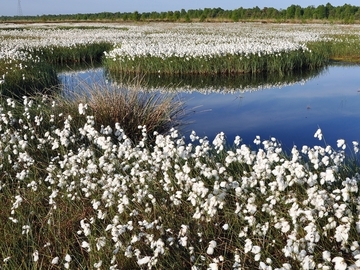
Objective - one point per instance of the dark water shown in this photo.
(290, 110)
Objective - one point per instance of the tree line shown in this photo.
(345, 14)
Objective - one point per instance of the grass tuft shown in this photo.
(130, 108)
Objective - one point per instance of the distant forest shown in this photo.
(344, 14)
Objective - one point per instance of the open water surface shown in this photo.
(291, 111)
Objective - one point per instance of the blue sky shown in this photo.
(41, 7)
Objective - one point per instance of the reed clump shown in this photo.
(130, 108)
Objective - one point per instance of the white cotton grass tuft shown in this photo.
(55, 260)
(143, 260)
(211, 247)
(36, 256)
(98, 264)
(340, 263)
(356, 146)
(318, 134)
(82, 108)
(341, 144)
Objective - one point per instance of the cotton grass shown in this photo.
(216, 48)
(78, 191)
(73, 197)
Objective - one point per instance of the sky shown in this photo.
(44, 7)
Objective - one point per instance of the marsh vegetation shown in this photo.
(93, 182)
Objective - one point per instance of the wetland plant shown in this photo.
(27, 78)
(72, 197)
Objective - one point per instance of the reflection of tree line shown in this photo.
(225, 83)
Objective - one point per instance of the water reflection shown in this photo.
(291, 114)
(214, 83)
(290, 110)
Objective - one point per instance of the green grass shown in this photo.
(343, 48)
(79, 53)
(27, 78)
(217, 65)
(38, 74)
(337, 48)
